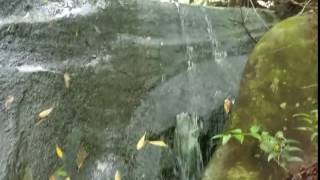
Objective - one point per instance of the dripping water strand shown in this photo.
(211, 34)
(189, 58)
(189, 48)
(186, 142)
(216, 52)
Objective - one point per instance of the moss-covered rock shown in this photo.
(280, 79)
(240, 173)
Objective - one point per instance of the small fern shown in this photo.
(276, 147)
(311, 123)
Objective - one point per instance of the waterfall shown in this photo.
(187, 146)
(217, 53)
(189, 48)
(192, 141)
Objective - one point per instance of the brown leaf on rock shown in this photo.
(158, 143)
(53, 177)
(8, 102)
(117, 175)
(45, 113)
(141, 142)
(227, 105)
(81, 157)
(67, 79)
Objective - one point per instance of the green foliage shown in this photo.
(311, 123)
(235, 133)
(279, 148)
(275, 147)
(61, 172)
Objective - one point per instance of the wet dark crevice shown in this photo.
(211, 125)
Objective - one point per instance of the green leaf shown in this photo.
(315, 111)
(282, 164)
(236, 131)
(239, 137)
(304, 128)
(279, 134)
(254, 129)
(61, 172)
(301, 115)
(293, 149)
(225, 139)
(265, 133)
(294, 159)
(292, 141)
(314, 135)
(256, 135)
(308, 120)
(271, 156)
(218, 136)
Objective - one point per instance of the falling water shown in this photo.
(187, 146)
(187, 132)
(210, 31)
(217, 53)
(189, 48)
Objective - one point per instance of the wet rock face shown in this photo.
(23, 7)
(279, 80)
(133, 66)
(7, 7)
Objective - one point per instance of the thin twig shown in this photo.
(245, 18)
(245, 28)
(310, 86)
(264, 23)
(305, 5)
(296, 3)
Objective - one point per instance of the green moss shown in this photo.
(283, 62)
(239, 172)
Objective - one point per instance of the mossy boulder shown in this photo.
(279, 80)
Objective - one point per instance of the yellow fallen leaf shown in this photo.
(59, 152)
(9, 100)
(141, 142)
(81, 156)
(53, 177)
(68, 178)
(117, 176)
(158, 143)
(67, 79)
(227, 105)
(45, 113)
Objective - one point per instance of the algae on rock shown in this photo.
(275, 85)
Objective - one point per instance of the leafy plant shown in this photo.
(279, 148)
(276, 147)
(235, 133)
(311, 123)
(60, 172)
